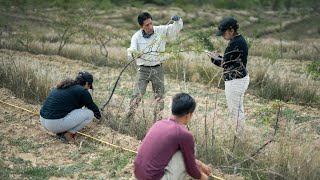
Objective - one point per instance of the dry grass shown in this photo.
(196, 67)
(295, 154)
(86, 53)
(292, 154)
(283, 80)
(25, 78)
(276, 49)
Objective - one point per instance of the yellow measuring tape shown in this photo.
(99, 140)
(108, 143)
(34, 113)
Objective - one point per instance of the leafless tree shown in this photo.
(102, 38)
(66, 29)
(25, 38)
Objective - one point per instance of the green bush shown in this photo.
(313, 69)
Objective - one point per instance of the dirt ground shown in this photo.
(18, 125)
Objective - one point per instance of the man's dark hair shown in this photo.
(144, 16)
(182, 104)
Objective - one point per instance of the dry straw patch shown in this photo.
(284, 49)
(26, 78)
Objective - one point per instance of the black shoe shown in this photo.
(61, 137)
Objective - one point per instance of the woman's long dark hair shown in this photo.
(71, 82)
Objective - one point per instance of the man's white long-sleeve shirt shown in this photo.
(152, 49)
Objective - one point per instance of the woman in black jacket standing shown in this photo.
(63, 113)
(235, 74)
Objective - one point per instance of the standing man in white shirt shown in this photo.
(147, 48)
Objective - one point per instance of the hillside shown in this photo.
(282, 103)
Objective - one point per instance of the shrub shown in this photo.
(313, 70)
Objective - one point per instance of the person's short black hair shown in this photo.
(182, 104)
(143, 16)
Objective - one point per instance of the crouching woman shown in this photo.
(63, 113)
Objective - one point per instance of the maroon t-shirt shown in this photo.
(164, 139)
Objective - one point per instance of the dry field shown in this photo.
(31, 66)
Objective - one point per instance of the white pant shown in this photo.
(234, 91)
(176, 169)
(72, 122)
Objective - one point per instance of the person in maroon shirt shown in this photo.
(168, 149)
